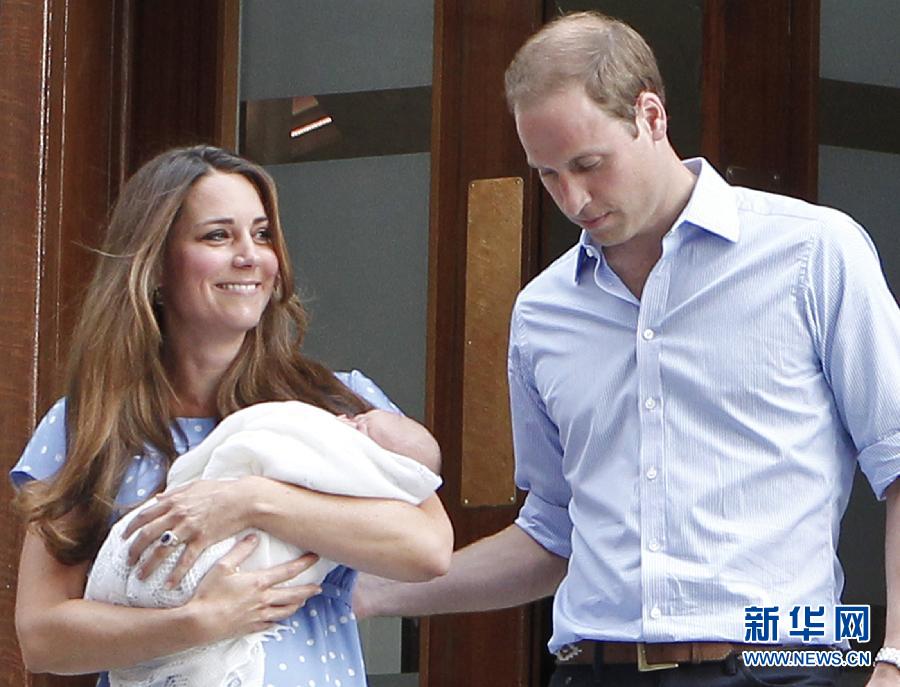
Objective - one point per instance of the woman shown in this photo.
(191, 316)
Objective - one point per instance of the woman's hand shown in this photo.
(231, 602)
(199, 514)
(61, 632)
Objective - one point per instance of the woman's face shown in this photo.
(219, 268)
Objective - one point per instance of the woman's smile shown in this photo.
(240, 288)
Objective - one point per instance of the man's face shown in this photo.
(603, 177)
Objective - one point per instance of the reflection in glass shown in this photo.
(336, 126)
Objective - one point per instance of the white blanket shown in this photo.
(288, 441)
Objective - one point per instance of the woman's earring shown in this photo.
(157, 297)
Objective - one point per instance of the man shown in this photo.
(691, 385)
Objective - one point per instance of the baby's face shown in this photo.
(398, 434)
(389, 430)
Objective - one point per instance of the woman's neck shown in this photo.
(196, 374)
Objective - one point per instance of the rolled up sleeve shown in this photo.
(544, 515)
(856, 326)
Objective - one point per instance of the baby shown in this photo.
(376, 454)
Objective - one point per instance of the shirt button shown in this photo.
(654, 545)
(651, 473)
(650, 403)
(655, 612)
(648, 334)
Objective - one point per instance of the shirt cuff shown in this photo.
(547, 523)
(880, 463)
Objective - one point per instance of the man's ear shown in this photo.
(650, 111)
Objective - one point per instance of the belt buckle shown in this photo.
(567, 652)
(644, 667)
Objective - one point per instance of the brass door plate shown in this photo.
(493, 279)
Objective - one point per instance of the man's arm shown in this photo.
(885, 673)
(518, 564)
(504, 570)
(855, 324)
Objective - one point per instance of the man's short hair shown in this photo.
(606, 56)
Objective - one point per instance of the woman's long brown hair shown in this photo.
(118, 397)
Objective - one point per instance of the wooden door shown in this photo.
(88, 90)
(59, 172)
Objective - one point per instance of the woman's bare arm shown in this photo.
(383, 536)
(59, 632)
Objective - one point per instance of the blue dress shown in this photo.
(319, 646)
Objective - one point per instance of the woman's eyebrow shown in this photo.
(228, 220)
(216, 220)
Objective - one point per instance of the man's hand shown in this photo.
(365, 593)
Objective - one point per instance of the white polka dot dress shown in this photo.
(319, 645)
(309, 653)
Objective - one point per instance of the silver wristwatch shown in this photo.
(888, 654)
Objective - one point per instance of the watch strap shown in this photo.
(888, 654)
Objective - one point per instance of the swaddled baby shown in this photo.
(288, 441)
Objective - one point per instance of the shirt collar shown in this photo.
(711, 207)
(586, 251)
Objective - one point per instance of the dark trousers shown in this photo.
(730, 673)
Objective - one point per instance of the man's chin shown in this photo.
(606, 237)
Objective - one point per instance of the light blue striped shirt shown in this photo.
(692, 452)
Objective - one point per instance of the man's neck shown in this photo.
(633, 260)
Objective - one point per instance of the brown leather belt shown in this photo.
(657, 656)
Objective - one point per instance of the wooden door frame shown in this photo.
(760, 92)
(68, 82)
(472, 138)
(59, 95)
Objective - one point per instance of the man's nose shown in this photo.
(572, 196)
